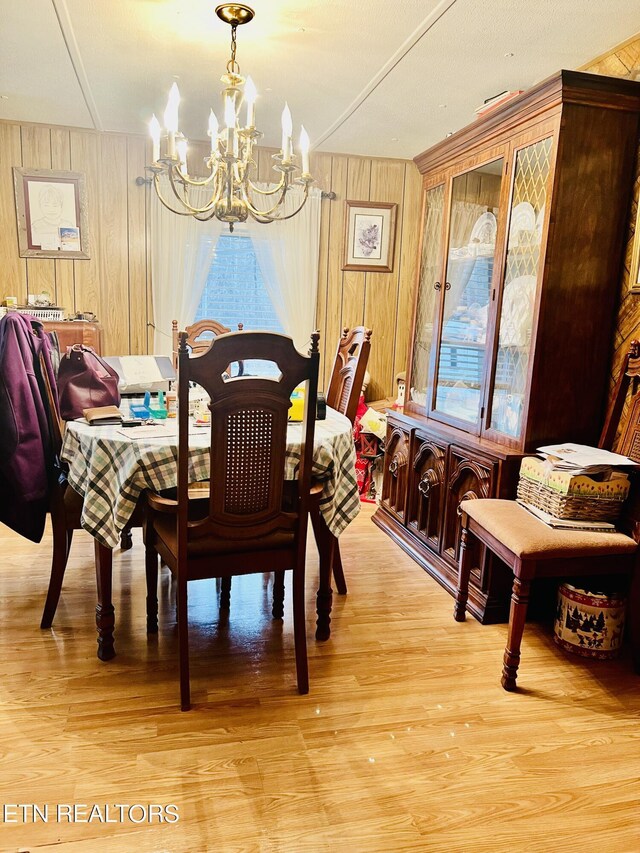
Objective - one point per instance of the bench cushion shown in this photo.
(529, 538)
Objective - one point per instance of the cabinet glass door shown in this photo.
(430, 272)
(475, 198)
(526, 222)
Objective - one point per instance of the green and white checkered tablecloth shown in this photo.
(111, 469)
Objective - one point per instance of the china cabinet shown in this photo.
(523, 223)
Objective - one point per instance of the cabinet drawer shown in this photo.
(396, 464)
(468, 477)
(426, 489)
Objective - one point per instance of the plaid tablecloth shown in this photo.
(110, 469)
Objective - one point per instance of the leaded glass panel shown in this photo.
(518, 295)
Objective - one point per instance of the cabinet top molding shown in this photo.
(564, 87)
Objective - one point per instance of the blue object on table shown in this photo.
(141, 411)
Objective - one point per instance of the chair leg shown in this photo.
(151, 570)
(126, 540)
(634, 618)
(464, 571)
(225, 593)
(277, 610)
(183, 641)
(300, 632)
(517, 617)
(326, 543)
(61, 547)
(338, 573)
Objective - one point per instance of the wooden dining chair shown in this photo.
(532, 549)
(65, 510)
(349, 368)
(345, 387)
(196, 343)
(254, 520)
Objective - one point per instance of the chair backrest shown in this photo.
(622, 424)
(248, 436)
(196, 343)
(348, 372)
(621, 431)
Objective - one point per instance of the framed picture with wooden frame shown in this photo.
(369, 236)
(51, 207)
(634, 278)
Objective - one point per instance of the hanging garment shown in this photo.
(27, 463)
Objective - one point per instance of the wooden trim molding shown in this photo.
(563, 87)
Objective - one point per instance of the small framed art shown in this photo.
(369, 236)
(634, 278)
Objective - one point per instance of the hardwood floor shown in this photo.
(406, 741)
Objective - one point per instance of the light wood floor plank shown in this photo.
(406, 741)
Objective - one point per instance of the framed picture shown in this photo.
(52, 213)
(369, 236)
(634, 278)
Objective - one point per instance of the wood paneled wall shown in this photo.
(115, 282)
(624, 61)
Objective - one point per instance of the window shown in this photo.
(235, 293)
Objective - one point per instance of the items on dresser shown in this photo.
(516, 261)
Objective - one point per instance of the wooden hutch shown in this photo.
(523, 225)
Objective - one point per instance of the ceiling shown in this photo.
(368, 77)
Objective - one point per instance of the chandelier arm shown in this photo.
(262, 213)
(277, 188)
(281, 218)
(195, 183)
(156, 183)
(265, 215)
(192, 211)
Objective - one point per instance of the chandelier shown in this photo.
(233, 196)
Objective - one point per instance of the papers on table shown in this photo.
(148, 432)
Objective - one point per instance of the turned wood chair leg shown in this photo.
(126, 540)
(225, 593)
(151, 570)
(464, 572)
(517, 618)
(277, 609)
(300, 632)
(183, 641)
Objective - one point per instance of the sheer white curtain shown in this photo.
(288, 255)
(182, 249)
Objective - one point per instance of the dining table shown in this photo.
(111, 467)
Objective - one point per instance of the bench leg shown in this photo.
(464, 571)
(517, 617)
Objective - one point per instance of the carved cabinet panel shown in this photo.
(467, 478)
(426, 489)
(396, 459)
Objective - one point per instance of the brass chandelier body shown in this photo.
(231, 161)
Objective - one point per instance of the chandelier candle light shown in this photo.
(231, 160)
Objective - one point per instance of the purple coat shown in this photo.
(27, 455)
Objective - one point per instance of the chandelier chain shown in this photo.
(232, 65)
